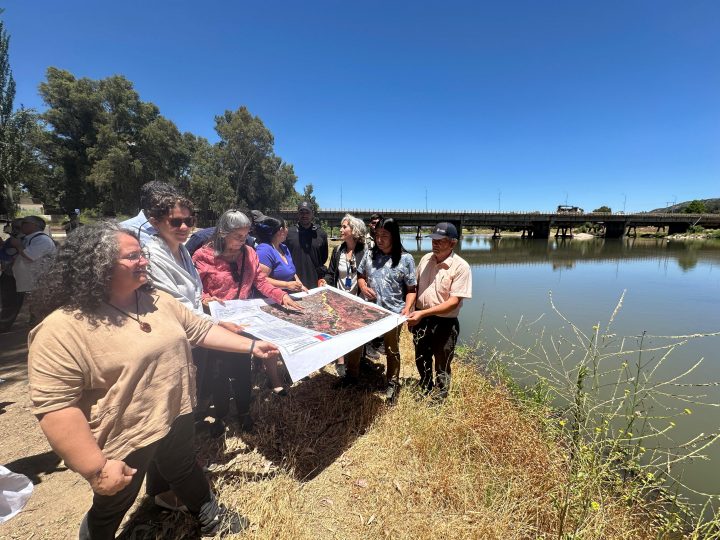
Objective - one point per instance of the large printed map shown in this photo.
(329, 312)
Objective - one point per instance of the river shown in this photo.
(671, 288)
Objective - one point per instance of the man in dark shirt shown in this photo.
(308, 245)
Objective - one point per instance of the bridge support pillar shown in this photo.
(614, 229)
(458, 226)
(678, 228)
(540, 229)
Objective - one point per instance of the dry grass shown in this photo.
(328, 463)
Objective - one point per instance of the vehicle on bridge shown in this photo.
(565, 209)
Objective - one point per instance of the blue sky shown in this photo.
(520, 105)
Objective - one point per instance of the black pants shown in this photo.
(10, 300)
(169, 464)
(435, 336)
(231, 370)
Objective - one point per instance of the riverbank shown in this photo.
(327, 463)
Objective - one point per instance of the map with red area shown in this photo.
(329, 312)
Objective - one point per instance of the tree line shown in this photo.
(97, 142)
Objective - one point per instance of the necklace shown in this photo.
(145, 327)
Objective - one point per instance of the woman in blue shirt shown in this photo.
(275, 259)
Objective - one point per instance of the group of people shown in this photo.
(127, 358)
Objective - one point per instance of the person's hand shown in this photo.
(414, 318)
(112, 478)
(235, 328)
(264, 350)
(369, 294)
(15, 242)
(206, 301)
(405, 311)
(295, 286)
(321, 282)
(290, 303)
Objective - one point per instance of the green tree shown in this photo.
(695, 207)
(603, 210)
(7, 99)
(307, 195)
(208, 183)
(260, 180)
(107, 142)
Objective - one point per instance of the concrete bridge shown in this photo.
(534, 224)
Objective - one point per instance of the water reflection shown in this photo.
(564, 253)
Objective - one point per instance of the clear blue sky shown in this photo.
(517, 104)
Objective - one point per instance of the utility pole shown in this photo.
(624, 202)
(499, 199)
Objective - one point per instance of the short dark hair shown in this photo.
(376, 216)
(150, 192)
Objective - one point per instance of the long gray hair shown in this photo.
(230, 221)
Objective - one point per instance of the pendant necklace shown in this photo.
(145, 327)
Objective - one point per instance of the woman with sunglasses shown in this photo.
(229, 270)
(342, 274)
(112, 383)
(386, 276)
(275, 259)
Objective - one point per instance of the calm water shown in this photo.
(672, 288)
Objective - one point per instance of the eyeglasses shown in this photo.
(135, 256)
(177, 222)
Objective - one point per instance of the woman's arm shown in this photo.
(409, 301)
(221, 339)
(69, 434)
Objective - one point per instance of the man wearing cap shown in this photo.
(443, 280)
(35, 253)
(308, 245)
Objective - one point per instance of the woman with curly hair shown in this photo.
(342, 273)
(112, 381)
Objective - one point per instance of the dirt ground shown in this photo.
(60, 497)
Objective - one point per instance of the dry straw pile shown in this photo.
(330, 463)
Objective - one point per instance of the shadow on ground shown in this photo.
(33, 466)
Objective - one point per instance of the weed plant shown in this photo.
(605, 397)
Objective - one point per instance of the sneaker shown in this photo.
(222, 522)
(391, 393)
(217, 428)
(340, 370)
(169, 501)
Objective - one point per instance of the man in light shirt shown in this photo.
(444, 279)
(35, 253)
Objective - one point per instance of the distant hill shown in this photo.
(712, 205)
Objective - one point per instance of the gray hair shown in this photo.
(230, 221)
(356, 226)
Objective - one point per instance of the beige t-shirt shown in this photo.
(131, 385)
(438, 282)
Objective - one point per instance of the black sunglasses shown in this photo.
(177, 222)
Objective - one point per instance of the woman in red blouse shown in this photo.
(229, 270)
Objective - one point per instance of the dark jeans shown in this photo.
(435, 336)
(169, 464)
(10, 300)
(231, 370)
